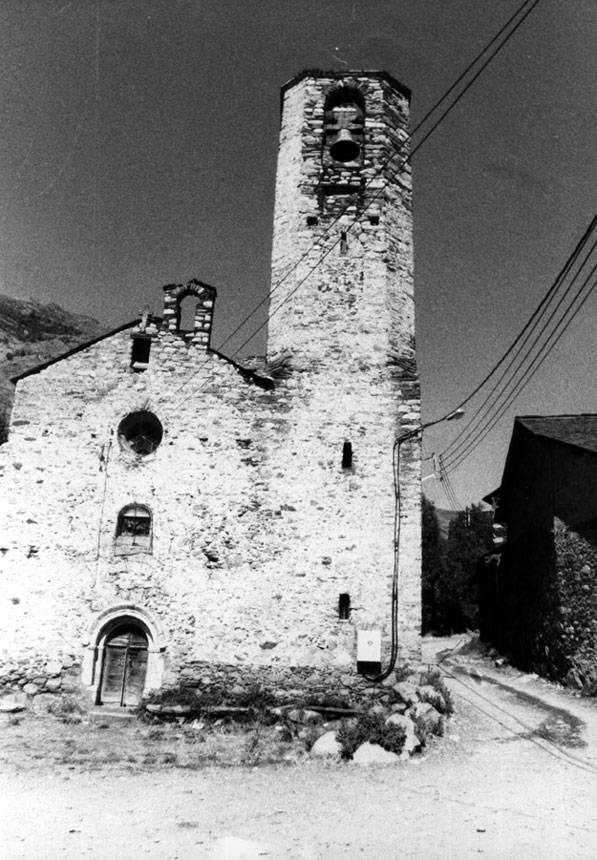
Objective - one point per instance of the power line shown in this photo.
(522, 13)
(534, 367)
(521, 341)
(531, 321)
(475, 431)
(386, 163)
(398, 169)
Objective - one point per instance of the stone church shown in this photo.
(172, 516)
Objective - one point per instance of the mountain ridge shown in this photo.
(31, 334)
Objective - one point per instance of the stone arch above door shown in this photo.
(103, 626)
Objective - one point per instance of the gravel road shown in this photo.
(489, 788)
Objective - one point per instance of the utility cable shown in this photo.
(381, 676)
(521, 13)
(397, 170)
(521, 340)
(354, 198)
(530, 372)
(531, 322)
(458, 452)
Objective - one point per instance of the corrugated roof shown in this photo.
(578, 430)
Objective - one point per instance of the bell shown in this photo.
(344, 148)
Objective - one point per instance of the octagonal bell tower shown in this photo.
(342, 271)
(342, 309)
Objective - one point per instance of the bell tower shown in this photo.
(342, 322)
(342, 271)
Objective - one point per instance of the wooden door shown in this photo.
(125, 667)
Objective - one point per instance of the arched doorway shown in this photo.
(124, 657)
(124, 666)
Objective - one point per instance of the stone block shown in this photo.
(326, 746)
(31, 689)
(53, 668)
(369, 754)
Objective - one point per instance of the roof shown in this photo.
(248, 373)
(577, 430)
(348, 73)
(82, 346)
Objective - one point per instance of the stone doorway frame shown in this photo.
(95, 644)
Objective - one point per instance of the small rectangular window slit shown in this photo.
(347, 455)
(140, 353)
(343, 243)
(344, 607)
(312, 220)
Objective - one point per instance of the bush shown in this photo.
(256, 700)
(370, 727)
(433, 678)
(67, 709)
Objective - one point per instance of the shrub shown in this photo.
(433, 678)
(67, 709)
(421, 730)
(370, 727)
(255, 699)
(403, 672)
(259, 702)
(324, 700)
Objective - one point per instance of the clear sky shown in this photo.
(138, 143)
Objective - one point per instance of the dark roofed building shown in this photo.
(540, 602)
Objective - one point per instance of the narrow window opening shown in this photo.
(374, 220)
(347, 455)
(312, 220)
(140, 353)
(186, 315)
(344, 607)
(343, 243)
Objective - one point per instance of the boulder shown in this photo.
(53, 668)
(312, 717)
(431, 719)
(326, 745)
(10, 706)
(369, 753)
(412, 743)
(407, 692)
(304, 716)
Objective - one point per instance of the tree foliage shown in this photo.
(450, 601)
(432, 563)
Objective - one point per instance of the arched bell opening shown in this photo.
(344, 118)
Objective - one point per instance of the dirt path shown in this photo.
(484, 790)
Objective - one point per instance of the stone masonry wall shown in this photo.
(342, 309)
(257, 526)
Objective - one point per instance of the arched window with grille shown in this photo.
(134, 530)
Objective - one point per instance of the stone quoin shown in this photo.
(173, 516)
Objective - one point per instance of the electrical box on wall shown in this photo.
(369, 651)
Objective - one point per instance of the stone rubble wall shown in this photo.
(257, 528)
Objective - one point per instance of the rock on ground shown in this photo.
(369, 753)
(326, 745)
